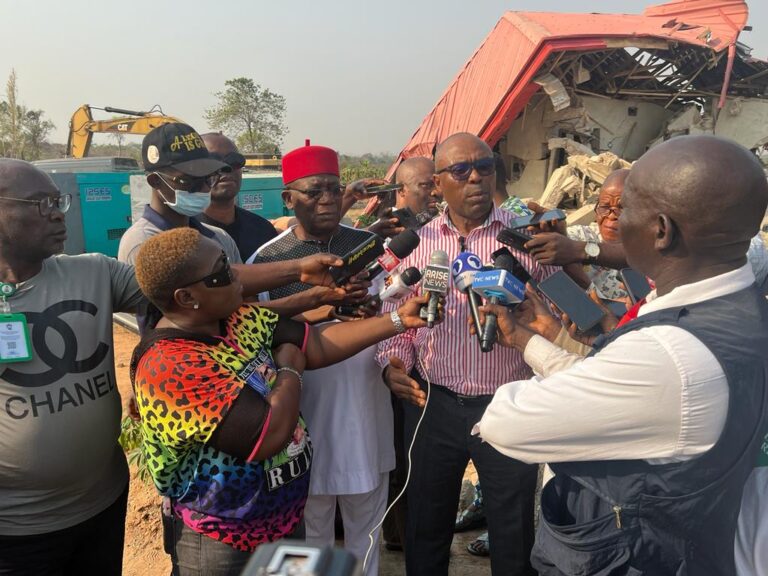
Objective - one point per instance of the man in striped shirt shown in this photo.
(463, 381)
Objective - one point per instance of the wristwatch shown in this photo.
(592, 250)
(397, 321)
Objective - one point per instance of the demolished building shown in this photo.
(545, 89)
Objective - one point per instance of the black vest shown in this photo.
(629, 517)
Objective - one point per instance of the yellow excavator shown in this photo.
(82, 126)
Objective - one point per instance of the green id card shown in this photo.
(14, 339)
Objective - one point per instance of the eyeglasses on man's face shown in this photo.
(315, 193)
(461, 171)
(602, 210)
(45, 206)
(190, 183)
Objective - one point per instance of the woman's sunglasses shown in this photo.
(218, 279)
(462, 170)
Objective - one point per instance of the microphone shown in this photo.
(399, 286)
(498, 286)
(357, 259)
(464, 269)
(436, 280)
(398, 248)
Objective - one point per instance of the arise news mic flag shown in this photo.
(464, 269)
(436, 280)
(497, 286)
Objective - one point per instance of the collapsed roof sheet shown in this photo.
(497, 81)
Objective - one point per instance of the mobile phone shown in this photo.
(406, 217)
(617, 308)
(518, 270)
(383, 189)
(636, 284)
(536, 219)
(571, 299)
(514, 238)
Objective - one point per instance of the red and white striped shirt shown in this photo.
(450, 355)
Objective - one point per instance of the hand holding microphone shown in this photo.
(435, 281)
(497, 286)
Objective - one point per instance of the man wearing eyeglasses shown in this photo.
(345, 405)
(248, 230)
(463, 381)
(181, 173)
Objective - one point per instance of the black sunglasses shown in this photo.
(190, 183)
(218, 279)
(234, 160)
(462, 170)
(315, 193)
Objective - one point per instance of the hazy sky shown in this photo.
(357, 75)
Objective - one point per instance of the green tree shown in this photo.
(249, 114)
(23, 133)
(36, 131)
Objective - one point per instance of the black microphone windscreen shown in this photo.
(410, 276)
(404, 243)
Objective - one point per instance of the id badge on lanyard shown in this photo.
(14, 332)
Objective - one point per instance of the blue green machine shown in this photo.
(101, 206)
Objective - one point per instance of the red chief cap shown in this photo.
(309, 161)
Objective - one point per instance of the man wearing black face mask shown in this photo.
(248, 230)
(181, 173)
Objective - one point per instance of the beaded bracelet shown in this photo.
(294, 372)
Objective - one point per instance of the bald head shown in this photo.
(418, 192)
(410, 166)
(698, 200)
(19, 179)
(34, 229)
(615, 180)
(227, 187)
(713, 188)
(460, 141)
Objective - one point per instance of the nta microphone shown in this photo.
(398, 248)
(399, 286)
(357, 259)
(498, 286)
(464, 269)
(436, 280)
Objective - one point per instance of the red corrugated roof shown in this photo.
(496, 82)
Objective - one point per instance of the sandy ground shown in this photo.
(144, 554)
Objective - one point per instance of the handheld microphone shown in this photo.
(398, 248)
(357, 259)
(498, 286)
(464, 269)
(399, 286)
(436, 280)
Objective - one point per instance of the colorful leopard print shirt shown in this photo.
(183, 389)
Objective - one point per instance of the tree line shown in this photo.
(251, 115)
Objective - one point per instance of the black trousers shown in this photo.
(93, 547)
(443, 447)
(393, 528)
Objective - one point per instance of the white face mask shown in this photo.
(187, 203)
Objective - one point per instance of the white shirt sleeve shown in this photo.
(656, 394)
(546, 358)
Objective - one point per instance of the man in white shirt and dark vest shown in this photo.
(652, 437)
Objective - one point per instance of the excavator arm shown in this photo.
(82, 126)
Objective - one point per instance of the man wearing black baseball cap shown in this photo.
(181, 173)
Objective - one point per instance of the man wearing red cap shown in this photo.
(346, 406)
